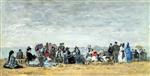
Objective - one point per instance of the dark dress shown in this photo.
(136, 55)
(59, 57)
(110, 51)
(71, 58)
(30, 57)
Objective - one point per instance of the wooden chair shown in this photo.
(21, 61)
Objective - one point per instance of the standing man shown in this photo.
(89, 48)
(116, 49)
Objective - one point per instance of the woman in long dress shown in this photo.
(49, 63)
(121, 56)
(12, 62)
(94, 55)
(78, 56)
(128, 53)
(59, 56)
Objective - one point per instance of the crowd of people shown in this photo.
(50, 55)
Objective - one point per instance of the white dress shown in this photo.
(94, 58)
(120, 59)
(34, 62)
(104, 58)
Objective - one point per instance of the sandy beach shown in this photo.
(94, 69)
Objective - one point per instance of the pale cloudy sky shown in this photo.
(73, 22)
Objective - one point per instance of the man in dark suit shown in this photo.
(116, 49)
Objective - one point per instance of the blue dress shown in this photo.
(128, 54)
(12, 63)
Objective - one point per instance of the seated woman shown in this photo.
(59, 56)
(94, 55)
(102, 57)
(29, 56)
(71, 58)
(19, 54)
(136, 56)
(79, 58)
(99, 58)
(82, 59)
(89, 57)
(12, 62)
(35, 61)
(49, 63)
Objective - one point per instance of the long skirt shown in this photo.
(15, 67)
(121, 58)
(94, 58)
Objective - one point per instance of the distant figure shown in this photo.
(40, 56)
(12, 62)
(19, 54)
(136, 55)
(133, 52)
(76, 49)
(61, 47)
(121, 56)
(89, 57)
(99, 57)
(89, 48)
(53, 53)
(49, 63)
(143, 55)
(65, 55)
(110, 50)
(46, 53)
(77, 54)
(128, 53)
(59, 56)
(88, 54)
(78, 57)
(94, 55)
(116, 49)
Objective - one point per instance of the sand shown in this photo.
(94, 69)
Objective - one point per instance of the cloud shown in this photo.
(75, 23)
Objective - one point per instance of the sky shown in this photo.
(26, 23)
